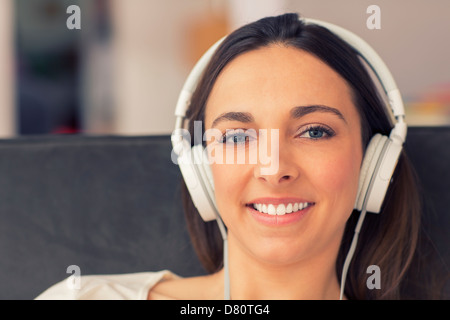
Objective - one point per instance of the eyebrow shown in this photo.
(245, 117)
(296, 113)
(301, 111)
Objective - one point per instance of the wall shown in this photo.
(151, 50)
(131, 77)
(150, 62)
(7, 96)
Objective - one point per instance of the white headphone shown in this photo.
(379, 161)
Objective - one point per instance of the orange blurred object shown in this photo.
(203, 32)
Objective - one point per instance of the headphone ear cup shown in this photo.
(377, 169)
(205, 195)
(191, 167)
(204, 169)
(368, 165)
(208, 173)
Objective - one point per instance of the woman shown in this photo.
(259, 77)
(289, 232)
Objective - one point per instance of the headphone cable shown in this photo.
(351, 251)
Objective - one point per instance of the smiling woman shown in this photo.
(289, 232)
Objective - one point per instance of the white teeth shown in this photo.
(280, 209)
(264, 208)
(289, 208)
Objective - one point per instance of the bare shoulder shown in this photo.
(193, 288)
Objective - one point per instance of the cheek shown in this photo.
(228, 185)
(336, 176)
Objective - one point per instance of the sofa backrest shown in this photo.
(110, 204)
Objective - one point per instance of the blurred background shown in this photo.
(122, 71)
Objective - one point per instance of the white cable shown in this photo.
(226, 279)
(351, 251)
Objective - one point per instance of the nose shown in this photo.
(285, 174)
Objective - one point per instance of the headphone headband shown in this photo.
(364, 50)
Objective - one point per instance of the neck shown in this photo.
(309, 279)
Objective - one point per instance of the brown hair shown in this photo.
(390, 239)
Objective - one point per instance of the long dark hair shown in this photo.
(389, 240)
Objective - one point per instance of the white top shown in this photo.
(131, 286)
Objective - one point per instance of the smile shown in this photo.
(281, 209)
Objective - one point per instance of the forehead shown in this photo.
(275, 77)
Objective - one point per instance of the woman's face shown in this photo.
(288, 91)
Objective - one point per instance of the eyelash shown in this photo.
(317, 127)
(233, 133)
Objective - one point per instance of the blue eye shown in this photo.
(316, 132)
(235, 137)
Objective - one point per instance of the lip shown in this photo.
(278, 220)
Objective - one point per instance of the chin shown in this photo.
(281, 254)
